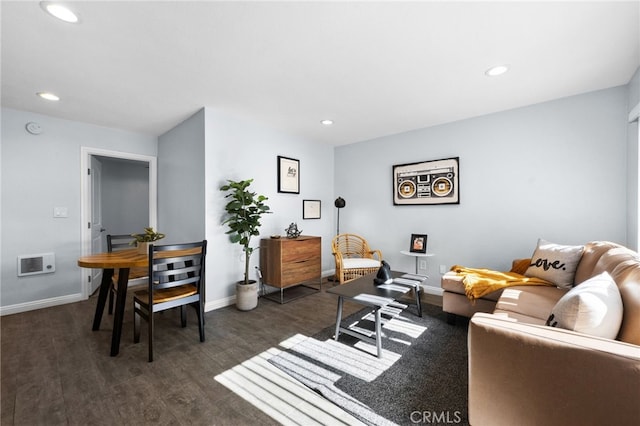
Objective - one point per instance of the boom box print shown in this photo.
(427, 182)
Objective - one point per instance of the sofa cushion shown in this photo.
(590, 264)
(530, 304)
(357, 262)
(594, 307)
(555, 263)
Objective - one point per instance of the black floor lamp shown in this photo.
(339, 203)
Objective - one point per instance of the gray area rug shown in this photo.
(421, 378)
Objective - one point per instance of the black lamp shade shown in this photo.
(340, 202)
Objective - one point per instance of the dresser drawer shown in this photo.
(300, 250)
(286, 262)
(299, 272)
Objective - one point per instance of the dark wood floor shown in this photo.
(55, 370)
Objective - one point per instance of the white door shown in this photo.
(97, 230)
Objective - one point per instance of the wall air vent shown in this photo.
(34, 264)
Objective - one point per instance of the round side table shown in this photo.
(416, 255)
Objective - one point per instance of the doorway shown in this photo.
(97, 215)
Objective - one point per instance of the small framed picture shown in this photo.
(418, 243)
(288, 175)
(311, 209)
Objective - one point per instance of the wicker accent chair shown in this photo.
(353, 257)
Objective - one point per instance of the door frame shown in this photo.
(85, 203)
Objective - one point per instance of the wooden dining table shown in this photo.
(123, 260)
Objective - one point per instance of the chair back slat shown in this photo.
(119, 242)
(177, 270)
(177, 277)
(177, 259)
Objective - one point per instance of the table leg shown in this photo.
(417, 290)
(338, 318)
(416, 265)
(378, 333)
(121, 299)
(105, 284)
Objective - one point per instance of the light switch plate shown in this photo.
(60, 212)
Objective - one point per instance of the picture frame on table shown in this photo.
(311, 209)
(418, 243)
(288, 175)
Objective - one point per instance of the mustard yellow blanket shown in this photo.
(479, 281)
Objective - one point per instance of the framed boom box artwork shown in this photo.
(427, 182)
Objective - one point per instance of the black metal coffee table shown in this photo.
(364, 291)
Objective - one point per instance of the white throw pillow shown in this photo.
(555, 263)
(593, 307)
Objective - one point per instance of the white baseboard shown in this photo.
(220, 303)
(40, 304)
(328, 273)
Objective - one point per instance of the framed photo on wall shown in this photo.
(311, 209)
(418, 243)
(427, 182)
(288, 175)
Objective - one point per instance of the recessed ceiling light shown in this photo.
(497, 70)
(326, 122)
(48, 96)
(60, 11)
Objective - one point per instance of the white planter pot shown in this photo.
(143, 247)
(247, 296)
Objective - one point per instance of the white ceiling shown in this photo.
(376, 68)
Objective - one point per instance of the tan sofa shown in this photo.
(526, 373)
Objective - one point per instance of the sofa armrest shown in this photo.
(531, 375)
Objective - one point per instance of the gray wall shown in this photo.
(40, 173)
(556, 170)
(125, 196)
(181, 184)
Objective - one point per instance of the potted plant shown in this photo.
(148, 236)
(244, 210)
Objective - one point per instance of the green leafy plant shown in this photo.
(148, 236)
(244, 211)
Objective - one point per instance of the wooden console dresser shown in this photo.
(287, 262)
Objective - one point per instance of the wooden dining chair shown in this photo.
(117, 243)
(175, 280)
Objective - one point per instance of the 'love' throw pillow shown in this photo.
(555, 263)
